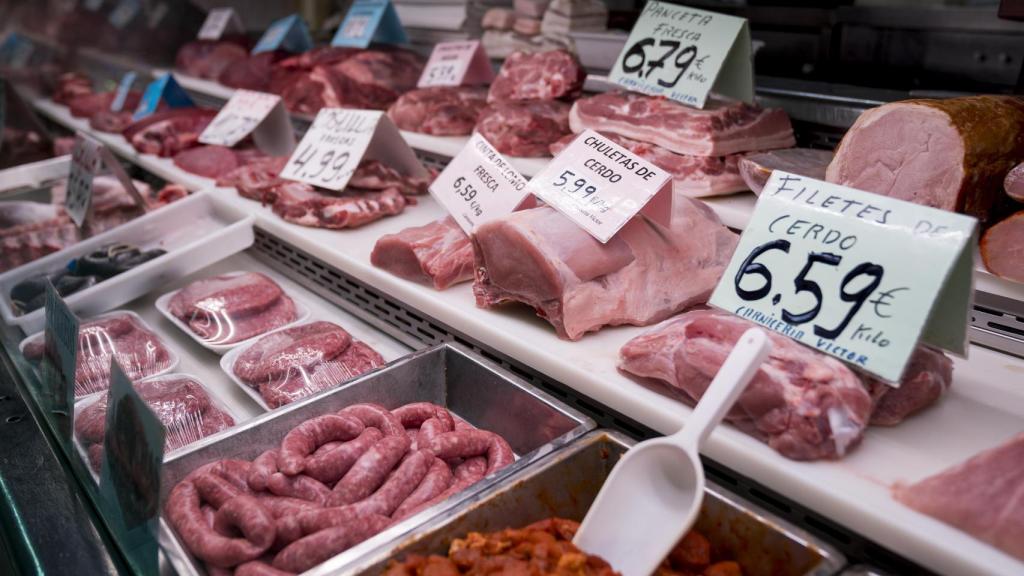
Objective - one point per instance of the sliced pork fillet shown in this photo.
(644, 274)
(438, 253)
(756, 168)
(949, 154)
(1002, 248)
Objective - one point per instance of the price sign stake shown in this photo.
(60, 360)
(370, 21)
(218, 21)
(457, 64)
(125, 86)
(817, 263)
(88, 157)
(164, 88)
(289, 33)
(257, 113)
(338, 140)
(600, 185)
(684, 53)
(479, 185)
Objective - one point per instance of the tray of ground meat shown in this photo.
(221, 312)
(316, 484)
(121, 336)
(732, 537)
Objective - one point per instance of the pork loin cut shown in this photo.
(721, 128)
(948, 154)
(693, 176)
(804, 404)
(756, 168)
(524, 129)
(928, 376)
(551, 75)
(983, 496)
(440, 110)
(302, 204)
(644, 274)
(1014, 183)
(1002, 248)
(438, 253)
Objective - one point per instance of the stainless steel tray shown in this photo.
(534, 423)
(566, 483)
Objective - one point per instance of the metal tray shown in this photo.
(472, 387)
(566, 483)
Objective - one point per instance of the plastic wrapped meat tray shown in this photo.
(471, 389)
(119, 335)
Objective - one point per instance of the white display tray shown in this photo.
(34, 175)
(195, 231)
(984, 408)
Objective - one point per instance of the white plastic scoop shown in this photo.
(653, 495)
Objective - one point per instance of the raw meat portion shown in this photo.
(525, 129)
(693, 176)
(551, 75)
(927, 377)
(302, 204)
(256, 179)
(302, 360)
(983, 496)
(117, 336)
(1014, 183)
(438, 253)
(208, 161)
(542, 259)
(231, 308)
(88, 104)
(251, 73)
(112, 205)
(31, 230)
(180, 402)
(440, 111)
(70, 86)
(949, 154)
(112, 122)
(375, 175)
(721, 128)
(169, 132)
(757, 168)
(804, 404)
(396, 70)
(1002, 248)
(209, 59)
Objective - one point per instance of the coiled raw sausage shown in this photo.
(262, 467)
(368, 473)
(301, 486)
(376, 416)
(245, 514)
(436, 481)
(415, 414)
(260, 568)
(469, 443)
(310, 435)
(329, 467)
(311, 550)
(182, 511)
(400, 484)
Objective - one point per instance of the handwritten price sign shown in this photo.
(456, 64)
(249, 112)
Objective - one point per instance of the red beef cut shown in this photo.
(551, 75)
(438, 253)
(439, 111)
(524, 129)
(209, 59)
(233, 307)
(252, 72)
(169, 132)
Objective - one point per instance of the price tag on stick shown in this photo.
(684, 53)
(817, 263)
(133, 452)
(338, 140)
(479, 185)
(218, 21)
(60, 354)
(257, 113)
(600, 185)
(88, 157)
(457, 64)
(166, 89)
(370, 21)
(289, 33)
(125, 86)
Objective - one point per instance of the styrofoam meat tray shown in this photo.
(214, 230)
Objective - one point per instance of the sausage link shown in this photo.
(310, 435)
(430, 429)
(312, 550)
(208, 513)
(284, 506)
(369, 471)
(301, 486)
(415, 414)
(400, 484)
(215, 490)
(470, 443)
(471, 471)
(436, 481)
(376, 416)
(212, 570)
(499, 454)
(288, 530)
(262, 467)
(329, 467)
(183, 512)
(234, 471)
(260, 568)
(245, 514)
(328, 447)
(313, 521)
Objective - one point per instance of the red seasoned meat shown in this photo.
(440, 111)
(208, 161)
(525, 129)
(233, 307)
(168, 132)
(551, 75)
(950, 154)
(757, 167)
(721, 128)
(299, 347)
(209, 58)
(928, 376)
(694, 176)
(983, 496)
(251, 73)
(438, 253)
(538, 257)
(302, 204)
(1002, 248)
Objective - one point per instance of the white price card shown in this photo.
(684, 53)
(258, 113)
(338, 140)
(370, 21)
(600, 185)
(88, 158)
(479, 185)
(457, 64)
(218, 21)
(859, 276)
(60, 345)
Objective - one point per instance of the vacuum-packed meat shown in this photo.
(525, 129)
(757, 167)
(438, 253)
(551, 75)
(440, 110)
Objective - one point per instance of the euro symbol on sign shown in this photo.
(700, 62)
(883, 300)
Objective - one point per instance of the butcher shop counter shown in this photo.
(984, 408)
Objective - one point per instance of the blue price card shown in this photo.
(289, 34)
(127, 81)
(133, 452)
(370, 21)
(165, 88)
(16, 51)
(60, 353)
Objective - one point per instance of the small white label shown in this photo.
(86, 163)
(598, 184)
(479, 185)
(217, 22)
(455, 64)
(239, 117)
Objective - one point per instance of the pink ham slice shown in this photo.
(983, 496)
(438, 253)
(756, 168)
(1002, 248)
(1014, 183)
(721, 128)
(538, 257)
